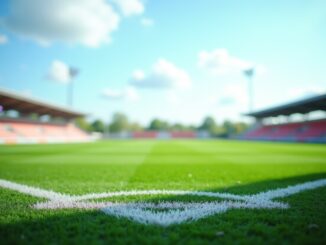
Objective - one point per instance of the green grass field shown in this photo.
(215, 166)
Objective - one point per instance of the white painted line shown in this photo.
(64, 204)
(32, 191)
(159, 192)
(271, 194)
(290, 190)
(180, 212)
(163, 213)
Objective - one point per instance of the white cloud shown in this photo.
(138, 75)
(219, 61)
(234, 95)
(59, 72)
(172, 97)
(88, 22)
(147, 22)
(164, 74)
(3, 39)
(229, 102)
(306, 91)
(27, 92)
(128, 93)
(130, 7)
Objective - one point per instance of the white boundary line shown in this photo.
(32, 191)
(149, 213)
(159, 192)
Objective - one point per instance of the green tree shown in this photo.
(119, 123)
(157, 124)
(240, 127)
(178, 127)
(82, 124)
(209, 125)
(135, 127)
(229, 128)
(98, 126)
(182, 127)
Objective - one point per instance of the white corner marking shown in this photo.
(162, 213)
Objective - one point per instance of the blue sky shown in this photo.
(176, 60)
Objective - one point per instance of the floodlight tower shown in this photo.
(73, 72)
(249, 73)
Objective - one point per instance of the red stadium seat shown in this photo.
(145, 134)
(314, 131)
(183, 134)
(35, 132)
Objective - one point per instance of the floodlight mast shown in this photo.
(73, 72)
(249, 73)
(70, 94)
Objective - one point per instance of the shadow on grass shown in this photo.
(303, 223)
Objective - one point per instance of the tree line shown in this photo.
(121, 123)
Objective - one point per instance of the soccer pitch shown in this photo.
(163, 192)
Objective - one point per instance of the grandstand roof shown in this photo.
(23, 104)
(302, 106)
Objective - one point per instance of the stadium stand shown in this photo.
(183, 134)
(303, 131)
(144, 135)
(27, 127)
(164, 135)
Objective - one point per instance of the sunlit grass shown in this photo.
(228, 166)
